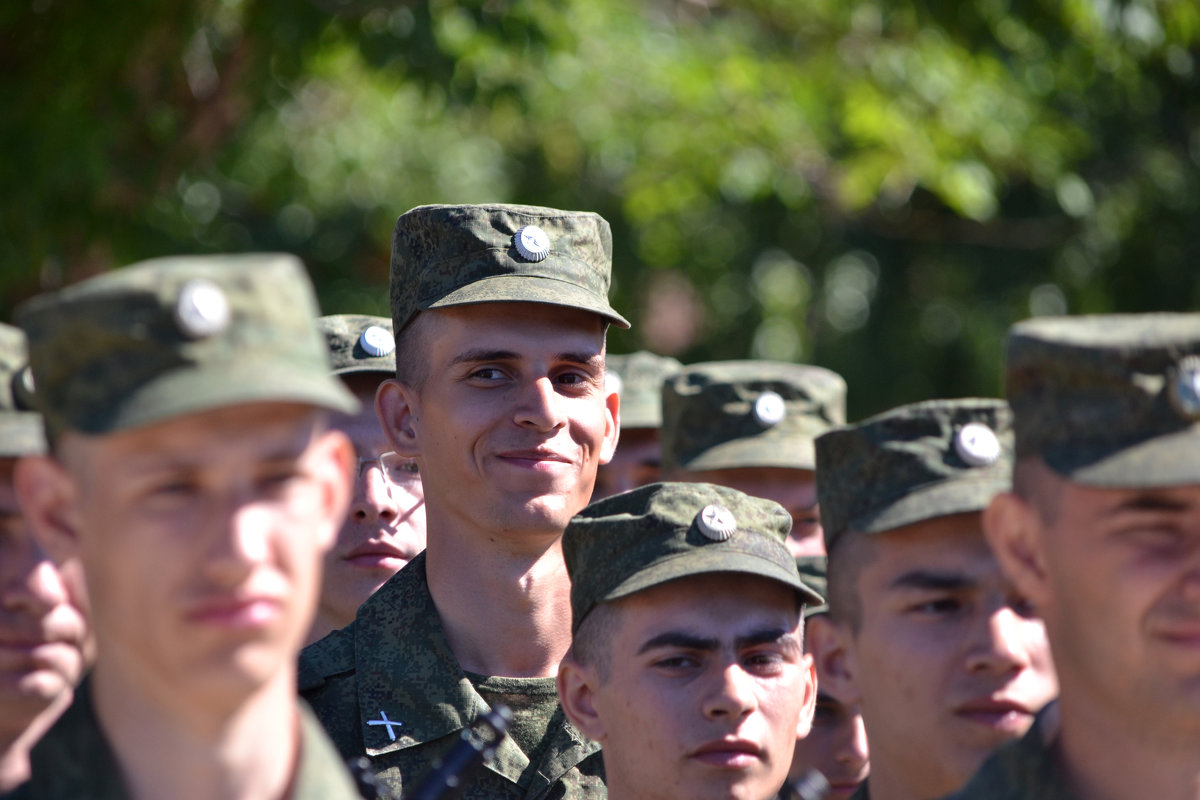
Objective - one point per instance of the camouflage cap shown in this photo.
(638, 379)
(175, 336)
(728, 414)
(814, 571)
(20, 426)
(458, 255)
(359, 343)
(1109, 401)
(633, 541)
(913, 463)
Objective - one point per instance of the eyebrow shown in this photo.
(930, 580)
(1148, 502)
(478, 355)
(690, 641)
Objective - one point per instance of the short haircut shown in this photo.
(1034, 483)
(591, 645)
(850, 553)
(412, 365)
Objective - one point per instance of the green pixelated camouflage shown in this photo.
(394, 658)
(709, 421)
(20, 427)
(1109, 401)
(903, 466)
(343, 335)
(74, 760)
(814, 571)
(457, 255)
(109, 354)
(633, 541)
(641, 377)
(1027, 769)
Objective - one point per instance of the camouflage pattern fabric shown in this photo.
(1022, 770)
(456, 255)
(814, 571)
(74, 761)
(1109, 401)
(638, 380)
(359, 343)
(633, 541)
(913, 463)
(175, 336)
(20, 426)
(730, 414)
(393, 661)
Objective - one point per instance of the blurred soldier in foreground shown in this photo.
(42, 629)
(750, 425)
(837, 744)
(688, 661)
(500, 315)
(1102, 533)
(385, 528)
(942, 653)
(637, 378)
(193, 478)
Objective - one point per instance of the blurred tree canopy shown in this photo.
(878, 186)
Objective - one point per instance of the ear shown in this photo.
(577, 685)
(1015, 532)
(804, 725)
(337, 459)
(832, 647)
(612, 425)
(47, 495)
(398, 407)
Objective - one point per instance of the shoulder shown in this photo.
(1022, 770)
(326, 658)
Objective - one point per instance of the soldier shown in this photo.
(42, 628)
(944, 656)
(385, 528)
(194, 480)
(750, 425)
(638, 379)
(688, 661)
(500, 315)
(1101, 533)
(836, 746)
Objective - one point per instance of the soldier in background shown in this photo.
(42, 629)
(637, 378)
(751, 425)
(945, 656)
(194, 480)
(385, 527)
(1102, 533)
(688, 661)
(500, 314)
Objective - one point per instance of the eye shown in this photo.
(826, 712)
(764, 662)
(676, 662)
(938, 606)
(488, 374)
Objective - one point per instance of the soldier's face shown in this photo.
(201, 539)
(948, 661)
(41, 632)
(512, 419)
(1117, 578)
(635, 463)
(707, 691)
(794, 489)
(385, 527)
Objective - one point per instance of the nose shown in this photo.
(732, 696)
(998, 646)
(238, 541)
(540, 406)
(374, 498)
(852, 746)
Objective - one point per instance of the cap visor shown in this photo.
(1172, 459)
(529, 289)
(939, 500)
(791, 452)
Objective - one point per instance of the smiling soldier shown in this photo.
(943, 655)
(500, 315)
(193, 478)
(688, 661)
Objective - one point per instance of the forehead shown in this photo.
(516, 321)
(950, 546)
(363, 428)
(717, 604)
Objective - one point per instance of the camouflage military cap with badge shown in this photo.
(21, 430)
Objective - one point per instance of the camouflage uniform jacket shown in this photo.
(394, 660)
(1026, 769)
(74, 761)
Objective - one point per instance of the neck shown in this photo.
(323, 624)
(172, 745)
(506, 609)
(15, 745)
(1110, 759)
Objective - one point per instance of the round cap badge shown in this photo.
(532, 243)
(769, 409)
(376, 341)
(202, 309)
(1185, 387)
(716, 522)
(977, 444)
